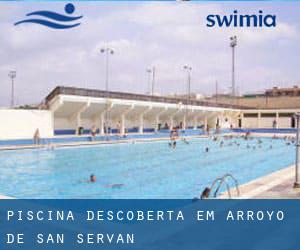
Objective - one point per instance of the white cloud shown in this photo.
(167, 35)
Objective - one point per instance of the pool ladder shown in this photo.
(223, 180)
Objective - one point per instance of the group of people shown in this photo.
(174, 135)
(258, 143)
(106, 130)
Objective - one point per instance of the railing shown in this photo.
(130, 96)
(220, 182)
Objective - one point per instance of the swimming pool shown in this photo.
(147, 170)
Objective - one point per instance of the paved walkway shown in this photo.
(5, 197)
(98, 142)
(278, 185)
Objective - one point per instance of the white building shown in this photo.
(74, 108)
(70, 109)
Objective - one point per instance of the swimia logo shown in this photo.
(52, 19)
(242, 20)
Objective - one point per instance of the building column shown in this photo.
(195, 122)
(78, 122)
(77, 116)
(141, 124)
(123, 120)
(101, 128)
(171, 122)
(142, 118)
(184, 122)
(54, 108)
(258, 119)
(107, 119)
(156, 122)
(205, 123)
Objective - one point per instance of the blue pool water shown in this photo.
(147, 170)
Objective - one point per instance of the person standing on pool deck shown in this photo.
(36, 137)
(207, 129)
(274, 124)
(93, 132)
(119, 127)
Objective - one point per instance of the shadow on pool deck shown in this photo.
(278, 185)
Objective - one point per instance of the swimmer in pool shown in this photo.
(205, 193)
(93, 178)
(185, 141)
(207, 149)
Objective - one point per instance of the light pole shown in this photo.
(297, 181)
(153, 78)
(107, 51)
(153, 72)
(217, 91)
(149, 72)
(12, 75)
(233, 44)
(188, 69)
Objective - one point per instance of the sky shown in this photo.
(144, 34)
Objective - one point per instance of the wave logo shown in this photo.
(53, 20)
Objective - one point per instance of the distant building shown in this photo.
(274, 92)
(275, 98)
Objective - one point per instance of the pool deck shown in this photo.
(98, 142)
(277, 185)
(5, 197)
(131, 140)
